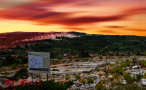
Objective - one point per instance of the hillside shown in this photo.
(101, 44)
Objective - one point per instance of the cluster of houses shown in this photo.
(67, 57)
(75, 56)
(96, 75)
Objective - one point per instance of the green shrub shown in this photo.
(83, 81)
(100, 86)
(67, 77)
(90, 80)
(77, 76)
(55, 70)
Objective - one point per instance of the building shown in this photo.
(14, 56)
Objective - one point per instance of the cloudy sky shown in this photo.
(110, 17)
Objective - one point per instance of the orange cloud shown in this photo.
(77, 29)
(107, 31)
(137, 30)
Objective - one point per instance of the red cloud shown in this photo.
(87, 20)
(36, 12)
(115, 26)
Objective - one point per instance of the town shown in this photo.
(93, 73)
(77, 62)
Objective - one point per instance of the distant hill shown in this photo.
(94, 43)
(15, 38)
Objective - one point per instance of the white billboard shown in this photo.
(39, 62)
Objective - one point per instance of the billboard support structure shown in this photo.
(39, 62)
(32, 77)
(47, 77)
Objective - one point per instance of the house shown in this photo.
(96, 54)
(120, 53)
(65, 57)
(72, 56)
(115, 54)
(14, 56)
(91, 55)
(27, 50)
(76, 55)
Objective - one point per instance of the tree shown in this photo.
(8, 60)
(20, 57)
(100, 86)
(113, 83)
(77, 76)
(83, 81)
(100, 57)
(115, 75)
(90, 80)
(145, 74)
(143, 63)
(83, 52)
(67, 77)
(117, 70)
(24, 60)
(117, 62)
(128, 77)
(138, 77)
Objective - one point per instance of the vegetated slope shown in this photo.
(8, 38)
(101, 44)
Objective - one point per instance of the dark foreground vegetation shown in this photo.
(46, 85)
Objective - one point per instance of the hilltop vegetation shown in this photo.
(93, 44)
(85, 44)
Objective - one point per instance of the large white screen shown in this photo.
(35, 62)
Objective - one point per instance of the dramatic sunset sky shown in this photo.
(110, 17)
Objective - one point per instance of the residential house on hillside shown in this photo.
(27, 50)
(76, 55)
(92, 55)
(115, 54)
(120, 53)
(14, 56)
(71, 56)
(96, 54)
(65, 57)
